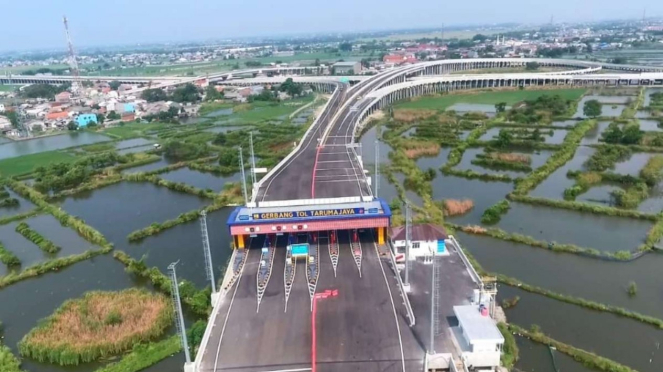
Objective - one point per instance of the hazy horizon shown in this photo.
(125, 22)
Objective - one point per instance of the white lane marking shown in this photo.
(336, 181)
(393, 305)
(332, 161)
(331, 169)
(336, 176)
(311, 135)
(288, 370)
(223, 330)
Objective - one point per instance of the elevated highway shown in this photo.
(366, 328)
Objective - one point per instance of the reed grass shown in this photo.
(98, 325)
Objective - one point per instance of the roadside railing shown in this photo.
(295, 150)
(406, 300)
(473, 273)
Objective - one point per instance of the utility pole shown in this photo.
(241, 167)
(73, 63)
(431, 347)
(408, 243)
(179, 322)
(377, 168)
(253, 160)
(206, 250)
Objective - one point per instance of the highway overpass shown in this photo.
(254, 327)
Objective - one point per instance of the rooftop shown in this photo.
(421, 232)
(345, 64)
(245, 214)
(476, 326)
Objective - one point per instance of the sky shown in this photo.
(32, 24)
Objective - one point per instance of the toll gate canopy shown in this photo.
(309, 218)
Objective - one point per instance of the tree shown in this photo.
(114, 85)
(43, 90)
(72, 125)
(345, 47)
(186, 93)
(154, 95)
(13, 118)
(619, 60)
(317, 62)
(221, 139)
(479, 37)
(87, 83)
(532, 66)
(179, 150)
(228, 157)
(536, 135)
(211, 94)
(500, 107)
(100, 119)
(113, 116)
(504, 138)
(614, 134)
(291, 88)
(632, 135)
(592, 108)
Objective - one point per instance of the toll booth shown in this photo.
(244, 222)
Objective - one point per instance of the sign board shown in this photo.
(308, 214)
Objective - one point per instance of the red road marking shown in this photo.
(315, 166)
(313, 342)
(314, 351)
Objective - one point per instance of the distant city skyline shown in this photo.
(37, 24)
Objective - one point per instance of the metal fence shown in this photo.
(406, 300)
(473, 273)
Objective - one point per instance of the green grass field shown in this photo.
(262, 111)
(27, 163)
(490, 98)
(8, 88)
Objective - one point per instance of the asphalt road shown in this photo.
(331, 170)
(294, 179)
(359, 330)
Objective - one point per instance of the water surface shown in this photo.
(121, 208)
(49, 143)
(590, 278)
(200, 180)
(589, 330)
(605, 233)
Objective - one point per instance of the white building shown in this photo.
(5, 124)
(2, 107)
(427, 239)
(478, 337)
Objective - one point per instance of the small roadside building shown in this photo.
(347, 68)
(478, 337)
(427, 239)
(63, 97)
(83, 120)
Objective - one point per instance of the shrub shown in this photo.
(510, 349)
(8, 258)
(606, 156)
(508, 303)
(632, 289)
(35, 237)
(494, 213)
(652, 172)
(457, 207)
(98, 325)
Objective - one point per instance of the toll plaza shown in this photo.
(309, 220)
